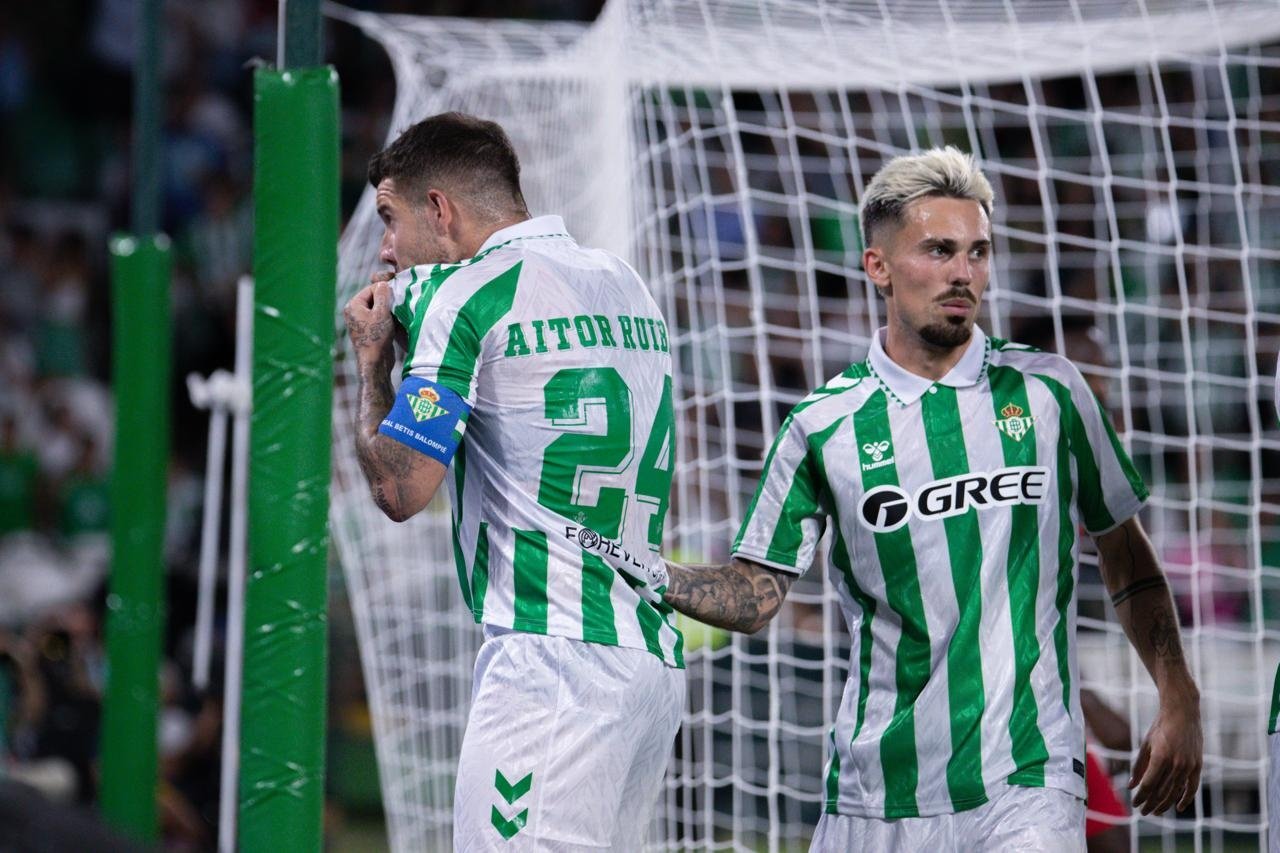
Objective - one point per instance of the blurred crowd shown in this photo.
(65, 187)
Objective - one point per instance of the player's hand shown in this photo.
(369, 322)
(1167, 772)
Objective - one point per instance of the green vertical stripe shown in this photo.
(842, 558)
(1122, 458)
(485, 308)
(1022, 571)
(945, 433)
(1274, 723)
(403, 311)
(833, 776)
(1066, 570)
(1093, 506)
(459, 559)
(801, 502)
(480, 572)
(530, 563)
(1071, 444)
(651, 624)
(677, 652)
(430, 287)
(597, 606)
(902, 589)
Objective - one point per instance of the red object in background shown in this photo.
(1102, 797)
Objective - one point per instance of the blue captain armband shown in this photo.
(428, 417)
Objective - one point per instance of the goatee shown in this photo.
(946, 335)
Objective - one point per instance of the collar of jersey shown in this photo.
(906, 387)
(539, 226)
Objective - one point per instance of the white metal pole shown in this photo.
(236, 560)
(213, 476)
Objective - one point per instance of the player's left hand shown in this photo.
(1167, 771)
(369, 322)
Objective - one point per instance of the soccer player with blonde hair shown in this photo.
(954, 470)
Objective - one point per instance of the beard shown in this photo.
(946, 335)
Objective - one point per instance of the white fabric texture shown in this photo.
(1016, 820)
(593, 724)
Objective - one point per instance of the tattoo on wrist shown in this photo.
(1156, 582)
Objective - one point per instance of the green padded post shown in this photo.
(295, 265)
(140, 379)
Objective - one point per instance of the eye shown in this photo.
(979, 253)
(937, 251)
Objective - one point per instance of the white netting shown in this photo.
(722, 147)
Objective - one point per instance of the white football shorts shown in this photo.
(1016, 819)
(566, 745)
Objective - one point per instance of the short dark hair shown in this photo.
(453, 151)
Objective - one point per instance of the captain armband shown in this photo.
(1157, 582)
(428, 417)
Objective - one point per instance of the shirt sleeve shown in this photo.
(1109, 490)
(447, 332)
(785, 520)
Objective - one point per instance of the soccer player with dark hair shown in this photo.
(554, 362)
(954, 470)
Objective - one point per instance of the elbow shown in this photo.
(392, 509)
(760, 619)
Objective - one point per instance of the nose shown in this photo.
(961, 270)
(386, 251)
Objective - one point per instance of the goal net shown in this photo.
(722, 147)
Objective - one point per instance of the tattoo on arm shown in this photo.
(385, 462)
(739, 596)
(1164, 633)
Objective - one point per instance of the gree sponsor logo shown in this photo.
(886, 508)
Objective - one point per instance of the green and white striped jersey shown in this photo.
(954, 507)
(564, 358)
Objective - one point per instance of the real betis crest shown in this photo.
(1013, 424)
(426, 405)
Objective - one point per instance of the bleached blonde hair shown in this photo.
(947, 172)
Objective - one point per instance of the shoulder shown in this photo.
(835, 398)
(1029, 360)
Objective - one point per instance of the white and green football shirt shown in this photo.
(954, 507)
(564, 359)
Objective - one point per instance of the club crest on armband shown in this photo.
(1013, 423)
(426, 405)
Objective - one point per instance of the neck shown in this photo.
(912, 353)
(481, 233)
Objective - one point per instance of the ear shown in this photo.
(440, 211)
(876, 266)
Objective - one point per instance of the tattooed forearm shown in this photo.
(1163, 634)
(1143, 604)
(740, 596)
(386, 463)
(365, 333)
